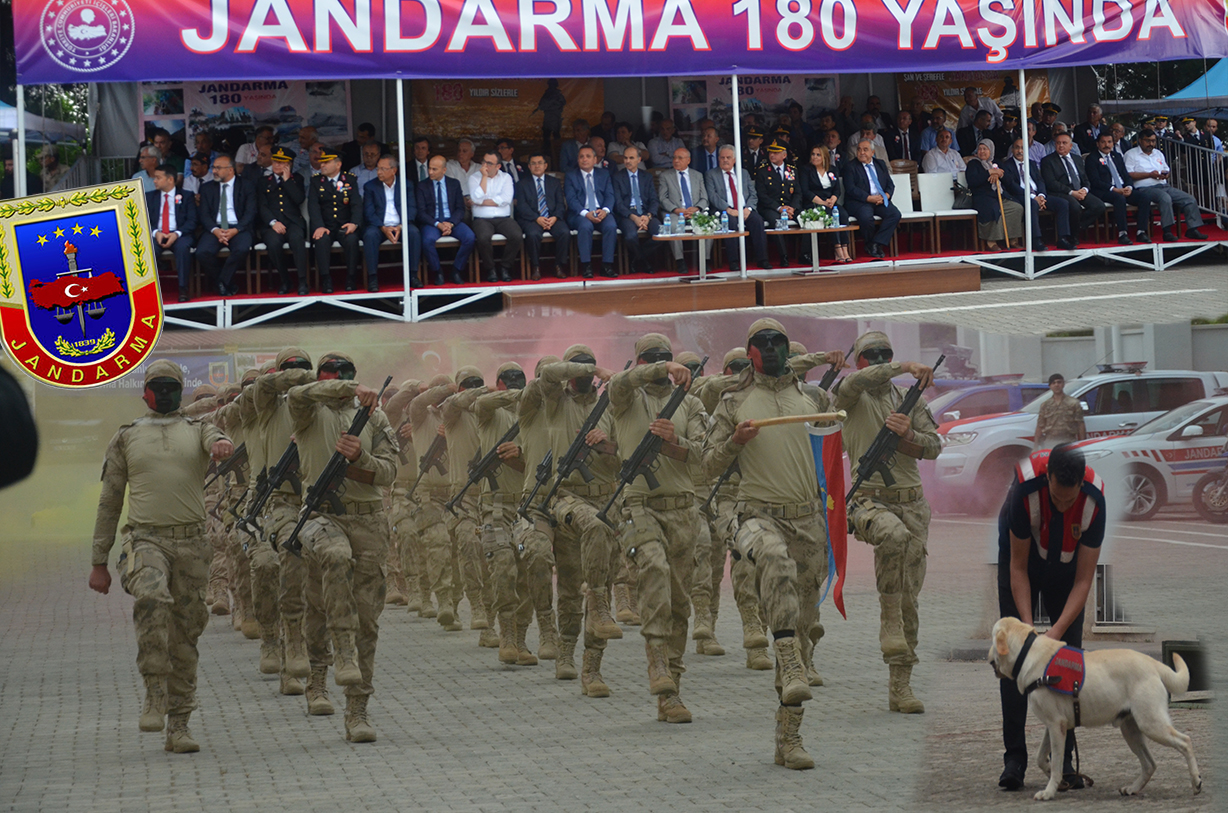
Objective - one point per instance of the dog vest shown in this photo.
(1064, 673)
(1035, 467)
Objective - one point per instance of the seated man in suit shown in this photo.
(281, 197)
(899, 140)
(540, 208)
(172, 221)
(1066, 177)
(779, 192)
(636, 204)
(441, 213)
(867, 192)
(1014, 171)
(492, 192)
(381, 208)
(726, 194)
(683, 194)
(569, 152)
(507, 160)
(227, 211)
(590, 202)
(1106, 172)
(335, 210)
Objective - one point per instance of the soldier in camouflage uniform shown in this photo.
(228, 417)
(217, 595)
(161, 460)
(438, 559)
(398, 589)
(402, 512)
(1061, 417)
(782, 525)
(660, 525)
(894, 520)
(348, 548)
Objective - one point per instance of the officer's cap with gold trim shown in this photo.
(283, 156)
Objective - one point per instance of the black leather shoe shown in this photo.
(351, 284)
(414, 282)
(735, 268)
(184, 297)
(681, 267)
(457, 279)
(490, 277)
(1039, 247)
(1170, 236)
(1071, 779)
(607, 270)
(326, 285)
(303, 290)
(1194, 234)
(1142, 237)
(1066, 243)
(1012, 776)
(505, 275)
(222, 290)
(1123, 239)
(766, 265)
(586, 272)
(875, 250)
(283, 289)
(373, 287)
(438, 279)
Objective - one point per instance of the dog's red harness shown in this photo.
(1064, 673)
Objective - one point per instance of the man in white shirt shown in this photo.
(867, 133)
(973, 102)
(462, 168)
(942, 158)
(1036, 150)
(246, 154)
(1150, 171)
(491, 190)
(367, 171)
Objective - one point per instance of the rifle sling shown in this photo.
(910, 448)
(364, 476)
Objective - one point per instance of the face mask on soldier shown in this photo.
(512, 379)
(582, 385)
(873, 356)
(163, 395)
(336, 368)
(768, 351)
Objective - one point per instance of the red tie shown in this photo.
(733, 192)
(166, 212)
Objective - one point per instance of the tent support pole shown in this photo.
(403, 177)
(737, 157)
(1029, 259)
(19, 157)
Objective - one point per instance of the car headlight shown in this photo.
(958, 438)
(1097, 454)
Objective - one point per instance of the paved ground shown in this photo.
(458, 732)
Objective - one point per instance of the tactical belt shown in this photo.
(662, 503)
(890, 494)
(443, 493)
(591, 489)
(354, 508)
(796, 510)
(173, 531)
(502, 498)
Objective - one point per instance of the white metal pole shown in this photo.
(1029, 259)
(403, 175)
(19, 156)
(737, 157)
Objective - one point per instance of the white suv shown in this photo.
(978, 455)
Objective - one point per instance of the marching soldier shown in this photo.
(402, 514)
(894, 520)
(439, 560)
(280, 198)
(397, 588)
(234, 486)
(660, 525)
(336, 212)
(217, 595)
(164, 565)
(348, 549)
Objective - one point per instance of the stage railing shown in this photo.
(1200, 172)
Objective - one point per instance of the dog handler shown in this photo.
(1049, 534)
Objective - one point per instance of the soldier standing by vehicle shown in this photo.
(896, 519)
(161, 459)
(1061, 417)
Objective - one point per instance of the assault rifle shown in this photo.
(327, 487)
(732, 469)
(829, 377)
(577, 453)
(236, 461)
(877, 457)
(640, 462)
(433, 459)
(544, 470)
(487, 466)
(287, 468)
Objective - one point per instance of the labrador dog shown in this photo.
(1122, 687)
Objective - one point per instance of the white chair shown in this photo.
(938, 199)
(908, 215)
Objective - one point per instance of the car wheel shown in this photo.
(1144, 495)
(1211, 497)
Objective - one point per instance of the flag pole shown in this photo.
(737, 157)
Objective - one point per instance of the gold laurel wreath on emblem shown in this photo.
(104, 342)
(6, 287)
(29, 207)
(135, 231)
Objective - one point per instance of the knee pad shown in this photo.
(742, 541)
(876, 525)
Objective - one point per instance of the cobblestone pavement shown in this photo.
(459, 732)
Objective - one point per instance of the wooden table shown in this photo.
(814, 246)
(703, 256)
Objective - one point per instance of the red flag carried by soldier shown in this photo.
(69, 292)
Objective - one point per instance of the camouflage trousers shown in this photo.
(294, 572)
(658, 535)
(215, 529)
(899, 532)
(349, 550)
(506, 565)
(709, 568)
(582, 547)
(437, 558)
(265, 581)
(535, 544)
(741, 571)
(405, 548)
(166, 571)
(468, 564)
(239, 565)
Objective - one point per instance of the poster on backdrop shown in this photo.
(490, 109)
(946, 90)
(765, 97)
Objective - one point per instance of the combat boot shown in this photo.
(758, 659)
(591, 682)
(447, 619)
(524, 655)
(236, 617)
(250, 628)
(270, 651)
(413, 597)
(597, 619)
(565, 664)
(345, 662)
(394, 596)
(634, 604)
(789, 750)
(753, 636)
(357, 726)
(659, 680)
(548, 645)
(296, 663)
(891, 632)
(154, 709)
(702, 628)
(900, 696)
(428, 607)
(221, 605)
(290, 686)
(812, 675)
(178, 735)
(507, 639)
(488, 638)
(477, 616)
(790, 673)
(669, 706)
(709, 646)
(318, 702)
(622, 604)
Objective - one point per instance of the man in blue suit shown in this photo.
(636, 205)
(1109, 180)
(227, 211)
(441, 213)
(541, 209)
(867, 192)
(172, 221)
(590, 202)
(381, 209)
(1012, 187)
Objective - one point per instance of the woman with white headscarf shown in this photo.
(984, 179)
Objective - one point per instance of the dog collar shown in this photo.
(1023, 654)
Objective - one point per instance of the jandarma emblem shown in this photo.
(87, 35)
(79, 301)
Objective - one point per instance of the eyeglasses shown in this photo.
(472, 382)
(339, 367)
(295, 364)
(163, 386)
(767, 339)
(878, 355)
(513, 379)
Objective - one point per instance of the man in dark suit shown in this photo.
(726, 195)
(381, 208)
(1066, 177)
(335, 209)
(1012, 187)
(1088, 133)
(779, 193)
(590, 203)
(969, 137)
(227, 212)
(1006, 135)
(351, 151)
(540, 208)
(507, 160)
(899, 140)
(172, 222)
(281, 197)
(1109, 181)
(441, 213)
(867, 192)
(635, 206)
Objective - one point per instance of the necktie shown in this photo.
(1113, 171)
(711, 161)
(422, 172)
(509, 169)
(781, 171)
(733, 191)
(542, 209)
(166, 213)
(1025, 176)
(635, 192)
(873, 175)
(439, 201)
(223, 216)
(686, 190)
(1072, 173)
(907, 152)
(590, 197)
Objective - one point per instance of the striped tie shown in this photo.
(541, 200)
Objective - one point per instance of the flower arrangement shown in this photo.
(816, 218)
(703, 223)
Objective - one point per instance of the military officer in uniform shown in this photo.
(336, 213)
(161, 459)
(895, 519)
(280, 197)
(1061, 417)
(779, 194)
